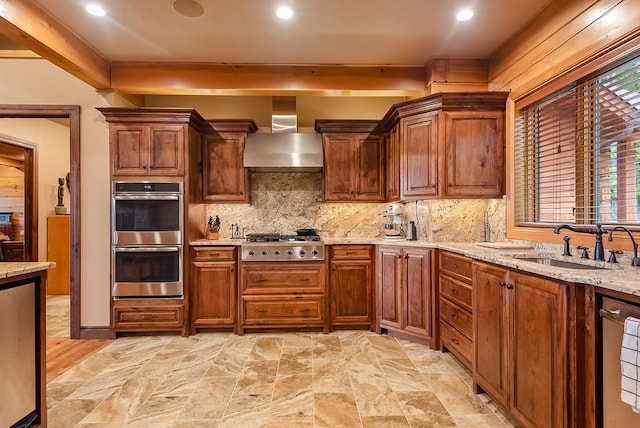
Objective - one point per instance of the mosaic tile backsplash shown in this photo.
(285, 201)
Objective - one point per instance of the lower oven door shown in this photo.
(149, 271)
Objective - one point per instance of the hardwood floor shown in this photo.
(62, 352)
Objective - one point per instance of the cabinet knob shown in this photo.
(399, 256)
(406, 256)
(502, 284)
(144, 167)
(455, 341)
(509, 286)
(231, 270)
(453, 265)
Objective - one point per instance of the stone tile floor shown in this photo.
(343, 379)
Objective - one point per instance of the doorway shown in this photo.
(72, 113)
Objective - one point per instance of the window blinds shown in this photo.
(577, 153)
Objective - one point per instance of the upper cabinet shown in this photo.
(150, 141)
(353, 160)
(224, 178)
(448, 145)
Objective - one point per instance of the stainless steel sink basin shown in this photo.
(557, 263)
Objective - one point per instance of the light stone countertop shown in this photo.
(618, 277)
(9, 269)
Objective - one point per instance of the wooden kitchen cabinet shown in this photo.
(404, 301)
(351, 286)
(353, 161)
(147, 142)
(451, 145)
(59, 251)
(224, 177)
(392, 164)
(521, 337)
(283, 295)
(456, 314)
(213, 287)
(148, 315)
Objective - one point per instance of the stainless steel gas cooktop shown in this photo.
(277, 247)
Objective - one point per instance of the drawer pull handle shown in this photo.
(147, 317)
(454, 291)
(453, 265)
(455, 341)
(261, 280)
(455, 317)
(350, 253)
(261, 311)
(305, 310)
(305, 279)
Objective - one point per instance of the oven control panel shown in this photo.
(277, 251)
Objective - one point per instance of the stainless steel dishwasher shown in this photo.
(615, 412)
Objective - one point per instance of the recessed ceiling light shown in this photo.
(190, 8)
(95, 9)
(284, 12)
(464, 15)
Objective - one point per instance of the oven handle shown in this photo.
(151, 249)
(146, 197)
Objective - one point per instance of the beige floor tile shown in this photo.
(247, 411)
(209, 400)
(296, 422)
(384, 422)
(333, 410)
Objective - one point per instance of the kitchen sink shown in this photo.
(557, 263)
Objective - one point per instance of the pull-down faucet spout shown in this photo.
(635, 261)
(598, 253)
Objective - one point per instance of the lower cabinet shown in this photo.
(213, 287)
(404, 301)
(283, 295)
(351, 286)
(148, 315)
(456, 315)
(521, 337)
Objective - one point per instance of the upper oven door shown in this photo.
(147, 219)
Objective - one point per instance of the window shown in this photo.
(577, 153)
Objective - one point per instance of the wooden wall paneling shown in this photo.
(558, 43)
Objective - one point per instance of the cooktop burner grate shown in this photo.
(277, 237)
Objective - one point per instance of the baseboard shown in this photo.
(95, 333)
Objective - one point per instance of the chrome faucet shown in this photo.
(635, 261)
(598, 252)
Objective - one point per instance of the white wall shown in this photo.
(51, 139)
(35, 81)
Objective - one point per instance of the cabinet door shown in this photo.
(368, 174)
(214, 291)
(417, 296)
(538, 351)
(392, 152)
(389, 283)
(474, 161)
(490, 335)
(419, 156)
(338, 167)
(351, 292)
(129, 149)
(223, 174)
(166, 150)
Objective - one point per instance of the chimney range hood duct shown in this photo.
(284, 149)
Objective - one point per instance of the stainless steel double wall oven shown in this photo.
(147, 221)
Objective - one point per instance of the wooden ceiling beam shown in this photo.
(30, 25)
(266, 79)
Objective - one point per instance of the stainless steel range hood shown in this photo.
(284, 149)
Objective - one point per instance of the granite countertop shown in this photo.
(9, 269)
(619, 277)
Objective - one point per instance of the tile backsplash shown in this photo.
(285, 201)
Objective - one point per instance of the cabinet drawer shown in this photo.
(455, 265)
(458, 344)
(456, 291)
(457, 317)
(200, 254)
(350, 252)
(278, 278)
(148, 318)
(283, 310)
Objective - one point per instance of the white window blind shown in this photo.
(577, 153)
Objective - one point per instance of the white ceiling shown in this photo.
(371, 32)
